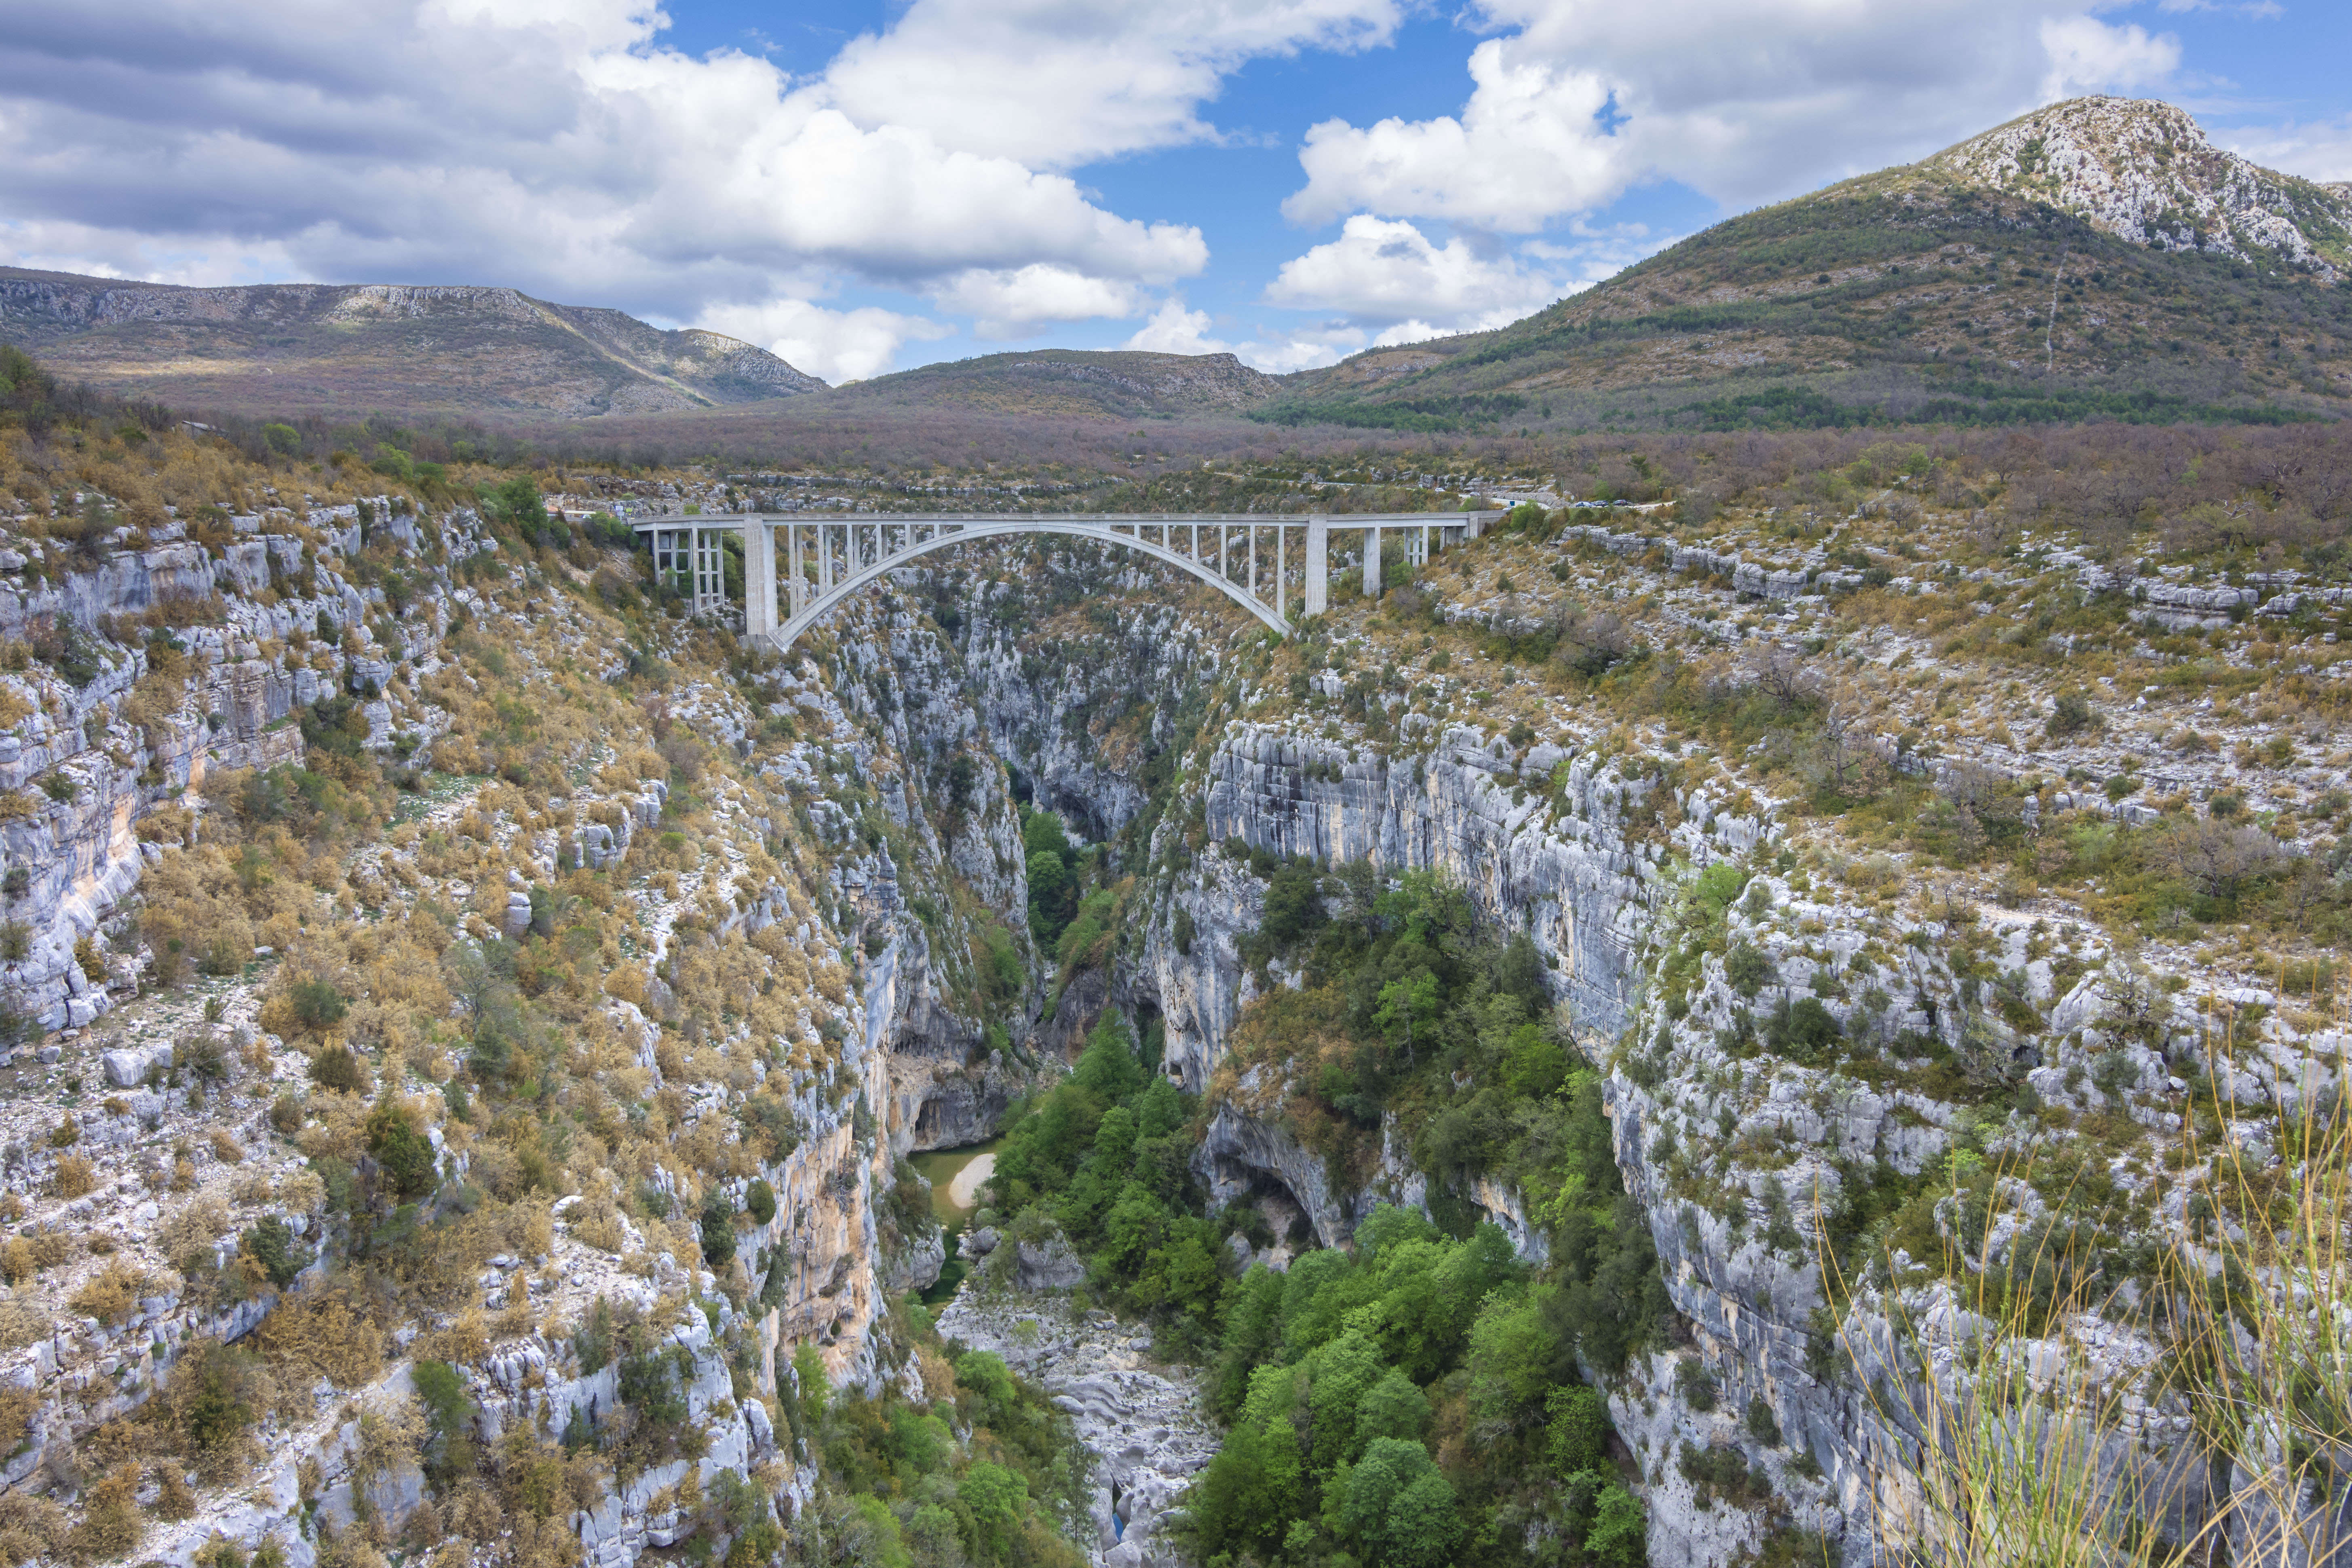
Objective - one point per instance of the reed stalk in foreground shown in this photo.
(2018, 1450)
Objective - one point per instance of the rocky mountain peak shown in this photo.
(2146, 171)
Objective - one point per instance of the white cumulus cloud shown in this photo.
(1173, 330)
(1575, 101)
(1388, 273)
(551, 145)
(1055, 83)
(834, 345)
(2316, 151)
(2088, 54)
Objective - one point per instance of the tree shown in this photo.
(1399, 1507)
(1394, 1407)
(318, 1006)
(998, 1500)
(1344, 1370)
(1053, 895)
(1251, 1492)
(449, 1422)
(1408, 1011)
(1294, 906)
(271, 1245)
(1579, 1434)
(1621, 1530)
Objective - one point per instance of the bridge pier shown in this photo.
(1373, 562)
(1318, 565)
(759, 581)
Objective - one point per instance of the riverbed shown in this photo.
(1139, 1417)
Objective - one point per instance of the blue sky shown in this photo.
(864, 187)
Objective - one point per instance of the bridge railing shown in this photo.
(1273, 566)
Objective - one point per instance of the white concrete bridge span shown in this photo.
(802, 566)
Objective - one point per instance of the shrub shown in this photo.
(109, 1296)
(402, 1153)
(1747, 969)
(318, 1006)
(2072, 714)
(1803, 1030)
(76, 1177)
(110, 1527)
(337, 1069)
(717, 1229)
(271, 1245)
(760, 1203)
(1577, 1438)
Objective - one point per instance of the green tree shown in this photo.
(1408, 1013)
(1343, 1370)
(1620, 1534)
(272, 1245)
(1577, 1436)
(1400, 1507)
(1394, 1407)
(1053, 895)
(1294, 907)
(997, 1499)
(449, 1422)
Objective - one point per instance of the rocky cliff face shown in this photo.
(2144, 171)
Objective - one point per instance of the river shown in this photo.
(956, 1177)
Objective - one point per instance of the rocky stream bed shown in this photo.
(1139, 1417)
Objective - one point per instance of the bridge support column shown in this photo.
(1318, 565)
(759, 577)
(1373, 562)
(797, 587)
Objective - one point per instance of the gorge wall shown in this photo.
(801, 989)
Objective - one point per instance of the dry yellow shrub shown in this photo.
(226, 1148)
(29, 1526)
(197, 1224)
(596, 1221)
(466, 1339)
(51, 1247)
(109, 1526)
(174, 1500)
(111, 1295)
(75, 1176)
(16, 1407)
(390, 1431)
(319, 1329)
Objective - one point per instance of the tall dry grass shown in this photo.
(2046, 1414)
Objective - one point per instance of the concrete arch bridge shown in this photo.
(802, 566)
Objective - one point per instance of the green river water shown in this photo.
(955, 1176)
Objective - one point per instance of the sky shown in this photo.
(864, 187)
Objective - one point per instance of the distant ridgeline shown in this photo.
(2097, 261)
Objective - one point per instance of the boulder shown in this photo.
(1049, 1265)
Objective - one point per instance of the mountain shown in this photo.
(2097, 258)
(2144, 172)
(304, 348)
(1126, 383)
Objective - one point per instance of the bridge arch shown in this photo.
(864, 546)
(785, 634)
